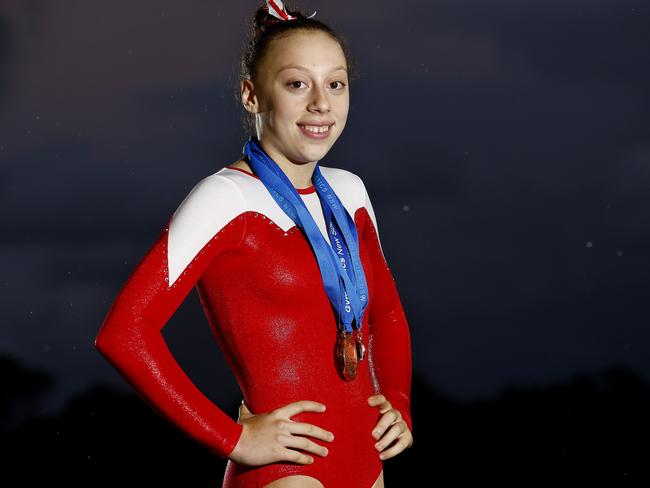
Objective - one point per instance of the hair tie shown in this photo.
(276, 9)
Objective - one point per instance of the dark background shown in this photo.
(505, 144)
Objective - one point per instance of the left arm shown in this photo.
(389, 340)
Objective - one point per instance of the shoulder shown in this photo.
(351, 190)
(211, 205)
(213, 199)
(348, 186)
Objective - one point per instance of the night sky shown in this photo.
(505, 145)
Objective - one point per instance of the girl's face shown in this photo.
(302, 80)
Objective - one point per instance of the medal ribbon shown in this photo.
(338, 260)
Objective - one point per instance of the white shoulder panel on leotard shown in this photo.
(345, 183)
(217, 199)
(210, 205)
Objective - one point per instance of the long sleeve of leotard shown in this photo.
(207, 224)
(389, 341)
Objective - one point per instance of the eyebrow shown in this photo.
(302, 68)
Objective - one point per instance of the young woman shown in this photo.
(287, 261)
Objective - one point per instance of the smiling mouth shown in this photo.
(316, 129)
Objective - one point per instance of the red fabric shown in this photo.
(264, 299)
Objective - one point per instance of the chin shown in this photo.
(312, 153)
(315, 155)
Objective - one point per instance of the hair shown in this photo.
(263, 29)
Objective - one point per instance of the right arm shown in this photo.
(208, 223)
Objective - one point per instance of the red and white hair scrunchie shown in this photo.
(276, 9)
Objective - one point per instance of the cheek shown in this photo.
(341, 109)
(341, 103)
(286, 111)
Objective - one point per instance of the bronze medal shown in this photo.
(346, 352)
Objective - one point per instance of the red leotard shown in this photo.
(262, 293)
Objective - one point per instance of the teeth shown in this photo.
(316, 129)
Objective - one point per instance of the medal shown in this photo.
(349, 351)
(346, 352)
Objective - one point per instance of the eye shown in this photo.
(292, 84)
(342, 84)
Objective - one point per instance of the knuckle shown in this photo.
(401, 444)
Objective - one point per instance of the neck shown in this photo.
(299, 174)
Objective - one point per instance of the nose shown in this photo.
(320, 101)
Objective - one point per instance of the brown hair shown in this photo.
(264, 28)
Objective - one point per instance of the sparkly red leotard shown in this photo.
(262, 293)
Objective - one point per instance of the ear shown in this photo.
(249, 96)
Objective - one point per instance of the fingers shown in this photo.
(293, 408)
(390, 427)
(375, 400)
(302, 443)
(389, 417)
(381, 402)
(401, 444)
(290, 427)
(311, 430)
(393, 433)
(295, 456)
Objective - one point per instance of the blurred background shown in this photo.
(505, 144)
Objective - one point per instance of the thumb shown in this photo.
(244, 412)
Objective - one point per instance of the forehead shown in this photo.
(314, 50)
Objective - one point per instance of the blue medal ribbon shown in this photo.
(339, 262)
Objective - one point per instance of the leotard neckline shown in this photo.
(304, 191)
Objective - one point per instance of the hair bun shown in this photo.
(264, 19)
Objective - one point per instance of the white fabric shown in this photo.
(217, 199)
